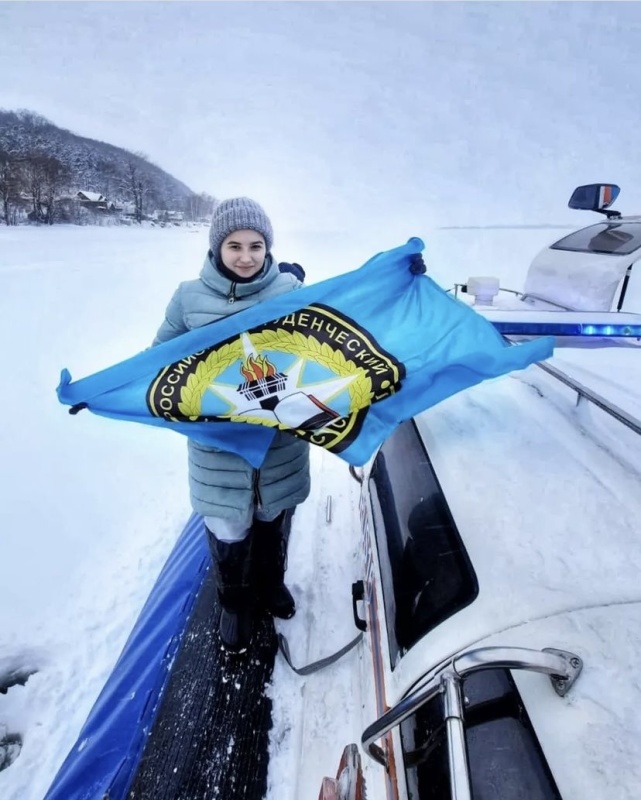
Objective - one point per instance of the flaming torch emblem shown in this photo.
(255, 368)
(289, 406)
(263, 382)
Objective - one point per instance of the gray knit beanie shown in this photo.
(238, 214)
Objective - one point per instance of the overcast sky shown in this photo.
(329, 113)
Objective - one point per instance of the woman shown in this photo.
(246, 511)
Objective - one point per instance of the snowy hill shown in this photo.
(92, 165)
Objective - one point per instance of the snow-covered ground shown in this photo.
(90, 508)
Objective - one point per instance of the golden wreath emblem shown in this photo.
(344, 350)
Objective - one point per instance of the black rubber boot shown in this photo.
(269, 562)
(232, 569)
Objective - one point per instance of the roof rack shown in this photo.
(562, 666)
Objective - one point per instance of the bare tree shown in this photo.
(33, 183)
(109, 179)
(200, 206)
(9, 186)
(56, 177)
(45, 177)
(137, 184)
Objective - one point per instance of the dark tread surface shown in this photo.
(210, 737)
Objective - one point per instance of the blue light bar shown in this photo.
(567, 329)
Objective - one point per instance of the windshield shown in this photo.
(613, 238)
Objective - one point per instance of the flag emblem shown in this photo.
(313, 373)
(338, 363)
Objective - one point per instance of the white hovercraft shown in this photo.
(580, 286)
(498, 662)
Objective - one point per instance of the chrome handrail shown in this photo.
(456, 747)
(550, 302)
(563, 668)
(559, 664)
(596, 399)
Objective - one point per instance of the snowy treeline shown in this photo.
(48, 175)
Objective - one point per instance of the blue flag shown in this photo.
(339, 363)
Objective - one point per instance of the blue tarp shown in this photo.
(104, 759)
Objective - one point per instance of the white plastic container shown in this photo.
(483, 289)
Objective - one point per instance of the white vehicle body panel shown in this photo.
(598, 754)
(578, 281)
(586, 281)
(557, 569)
(535, 573)
(534, 588)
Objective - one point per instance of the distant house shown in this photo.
(91, 197)
(166, 215)
(93, 200)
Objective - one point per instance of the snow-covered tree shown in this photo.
(45, 178)
(9, 187)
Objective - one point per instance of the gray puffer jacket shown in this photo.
(224, 484)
